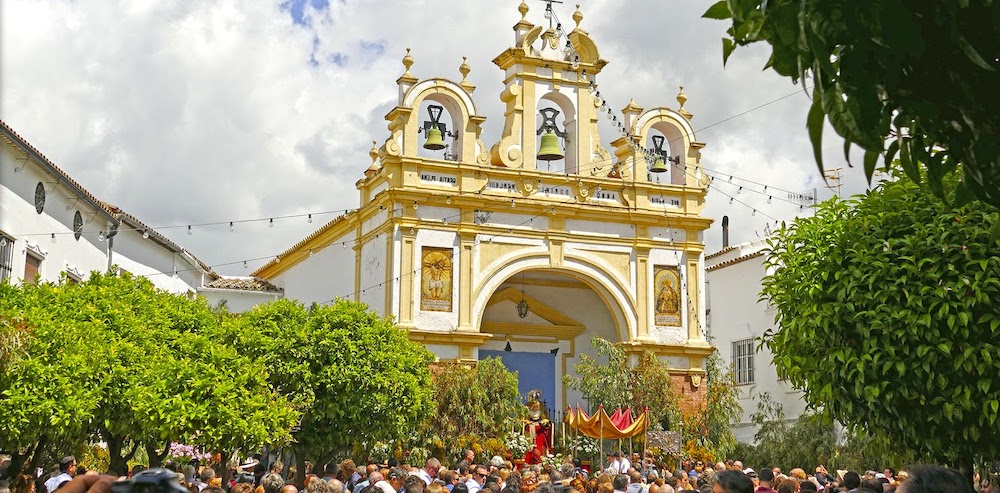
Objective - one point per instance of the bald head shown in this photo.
(375, 477)
(289, 488)
(371, 468)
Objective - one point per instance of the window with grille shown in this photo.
(6, 256)
(743, 361)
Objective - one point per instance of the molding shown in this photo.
(520, 332)
(665, 349)
(550, 283)
(555, 317)
(451, 337)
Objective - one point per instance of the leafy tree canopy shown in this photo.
(355, 376)
(140, 371)
(889, 316)
(921, 76)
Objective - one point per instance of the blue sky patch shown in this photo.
(297, 8)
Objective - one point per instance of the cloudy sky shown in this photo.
(185, 112)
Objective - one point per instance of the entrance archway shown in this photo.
(564, 310)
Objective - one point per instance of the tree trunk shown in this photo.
(36, 456)
(156, 459)
(965, 466)
(16, 463)
(300, 468)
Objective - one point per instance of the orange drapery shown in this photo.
(600, 425)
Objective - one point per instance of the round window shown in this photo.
(77, 225)
(40, 197)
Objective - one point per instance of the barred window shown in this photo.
(743, 361)
(6, 256)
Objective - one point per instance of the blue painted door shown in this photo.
(534, 371)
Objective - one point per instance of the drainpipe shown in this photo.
(111, 244)
(725, 231)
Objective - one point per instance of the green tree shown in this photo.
(50, 385)
(478, 400)
(888, 315)
(722, 408)
(354, 375)
(918, 75)
(146, 372)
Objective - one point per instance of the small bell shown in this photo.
(434, 141)
(550, 150)
(660, 164)
(434, 129)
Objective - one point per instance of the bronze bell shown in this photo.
(659, 166)
(550, 150)
(434, 141)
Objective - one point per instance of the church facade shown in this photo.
(527, 248)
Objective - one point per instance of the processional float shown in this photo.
(618, 426)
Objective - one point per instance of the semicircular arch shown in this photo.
(605, 284)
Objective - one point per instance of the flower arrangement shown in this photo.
(379, 452)
(553, 461)
(584, 447)
(182, 454)
(518, 444)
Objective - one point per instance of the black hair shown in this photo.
(460, 488)
(872, 484)
(807, 486)
(734, 481)
(929, 478)
(766, 475)
(852, 480)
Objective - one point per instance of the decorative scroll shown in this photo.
(436, 279)
(667, 295)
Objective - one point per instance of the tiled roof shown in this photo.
(113, 212)
(14, 139)
(243, 283)
(736, 260)
(326, 227)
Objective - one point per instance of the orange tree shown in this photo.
(889, 318)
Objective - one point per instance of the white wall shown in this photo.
(18, 219)
(327, 274)
(735, 315)
(237, 301)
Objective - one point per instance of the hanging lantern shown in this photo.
(549, 150)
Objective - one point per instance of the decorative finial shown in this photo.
(408, 62)
(464, 69)
(682, 98)
(523, 9)
(373, 168)
(577, 16)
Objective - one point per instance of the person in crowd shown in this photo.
(414, 484)
(766, 479)
(317, 486)
(67, 468)
(23, 484)
(928, 478)
(872, 485)
(732, 482)
(788, 485)
(852, 481)
(478, 479)
(620, 483)
(272, 483)
(430, 470)
(288, 488)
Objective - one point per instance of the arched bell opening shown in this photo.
(535, 334)
(667, 162)
(440, 128)
(556, 132)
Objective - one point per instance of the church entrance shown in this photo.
(542, 321)
(534, 370)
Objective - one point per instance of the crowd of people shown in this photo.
(620, 473)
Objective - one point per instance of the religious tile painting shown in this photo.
(436, 276)
(667, 301)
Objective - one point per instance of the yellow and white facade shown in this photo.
(451, 243)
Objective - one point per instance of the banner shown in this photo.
(619, 425)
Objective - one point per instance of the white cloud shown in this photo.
(189, 112)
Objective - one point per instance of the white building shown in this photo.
(737, 320)
(51, 226)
